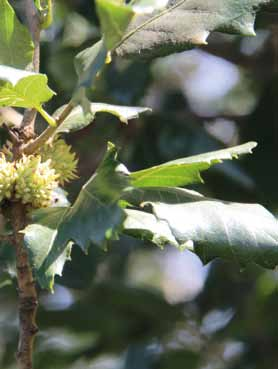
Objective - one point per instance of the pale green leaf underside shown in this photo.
(78, 119)
(23, 89)
(146, 226)
(38, 238)
(242, 233)
(185, 171)
(89, 62)
(16, 46)
(185, 23)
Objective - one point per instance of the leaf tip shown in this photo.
(253, 145)
(200, 38)
(187, 245)
(249, 29)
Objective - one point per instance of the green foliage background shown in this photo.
(101, 316)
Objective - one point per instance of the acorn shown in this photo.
(35, 181)
(63, 160)
(7, 178)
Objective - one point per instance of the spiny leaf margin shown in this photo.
(95, 217)
(185, 24)
(187, 170)
(241, 233)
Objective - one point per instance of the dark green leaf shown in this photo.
(95, 217)
(187, 170)
(186, 23)
(243, 233)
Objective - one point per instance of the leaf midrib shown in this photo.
(22, 95)
(149, 21)
(161, 14)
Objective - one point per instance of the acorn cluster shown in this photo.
(35, 181)
(32, 179)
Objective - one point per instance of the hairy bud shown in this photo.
(35, 181)
(63, 160)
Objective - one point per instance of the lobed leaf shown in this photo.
(16, 46)
(95, 217)
(243, 233)
(187, 170)
(185, 23)
(240, 232)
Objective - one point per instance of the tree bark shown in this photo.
(27, 294)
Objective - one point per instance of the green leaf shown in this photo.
(95, 217)
(16, 46)
(146, 226)
(24, 89)
(184, 24)
(38, 238)
(88, 63)
(78, 119)
(187, 170)
(243, 233)
(115, 17)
